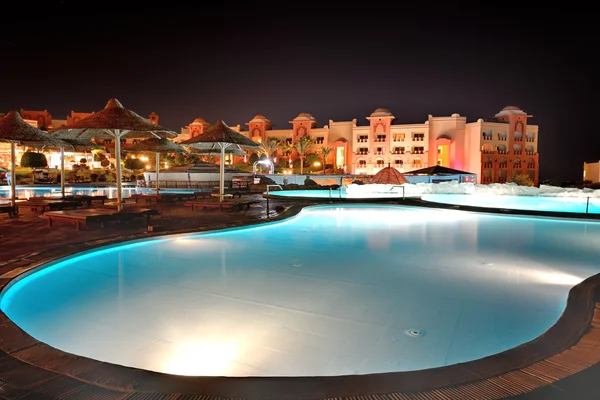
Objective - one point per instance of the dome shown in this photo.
(260, 118)
(304, 117)
(200, 121)
(381, 112)
(508, 110)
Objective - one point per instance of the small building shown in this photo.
(438, 173)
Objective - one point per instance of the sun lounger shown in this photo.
(87, 198)
(42, 204)
(209, 205)
(8, 209)
(81, 217)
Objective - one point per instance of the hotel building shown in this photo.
(495, 149)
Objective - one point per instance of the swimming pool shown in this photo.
(580, 205)
(109, 191)
(336, 290)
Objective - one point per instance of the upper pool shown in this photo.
(335, 290)
(580, 205)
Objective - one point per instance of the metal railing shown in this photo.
(400, 186)
(269, 186)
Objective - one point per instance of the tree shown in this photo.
(286, 148)
(324, 151)
(302, 146)
(270, 147)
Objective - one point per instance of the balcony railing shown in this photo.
(397, 152)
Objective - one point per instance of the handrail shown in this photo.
(268, 186)
(400, 186)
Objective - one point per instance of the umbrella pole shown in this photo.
(62, 171)
(13, 175)
(117, 134)
(157, 168)
(222, 174)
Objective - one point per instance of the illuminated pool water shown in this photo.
(336, 290)
(109, 191)
(580, 204)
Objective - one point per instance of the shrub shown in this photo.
(34, 160)
(134, 163)
(105, 162)
(522, 180)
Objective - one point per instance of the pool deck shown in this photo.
(561, 364)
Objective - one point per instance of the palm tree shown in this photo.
(324, 151)
(286, 147)
(270, 147)
(302, 146)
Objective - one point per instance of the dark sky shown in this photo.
(229, 61)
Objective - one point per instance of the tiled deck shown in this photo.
(562, 364)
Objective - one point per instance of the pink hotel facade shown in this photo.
(495, 149)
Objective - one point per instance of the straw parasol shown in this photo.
(158, 146)
(115, 122)
(390, 176)
(14, 130)
(220, 139)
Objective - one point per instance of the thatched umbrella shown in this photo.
(158, 146)
(115, 122)
(220, 139)
(14, 130)
(390, 176)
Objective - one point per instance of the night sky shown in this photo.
(222, 60)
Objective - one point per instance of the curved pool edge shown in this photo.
(569, 346)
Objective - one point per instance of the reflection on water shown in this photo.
(332, 291)
(110, 192)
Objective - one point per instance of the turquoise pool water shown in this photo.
(336, 290)
(580, 205)
(110, 192)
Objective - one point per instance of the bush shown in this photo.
(134, 163)
(34, 160)
(105, 162)
(522, 180)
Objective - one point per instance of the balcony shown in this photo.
(361, 140)
(503, 165)
(517, 152)
(379, 140)
(417, 139)
(397, 152)
(378, 153)
(487, 165)
(531, 166)
(530, 140)
(529, 152)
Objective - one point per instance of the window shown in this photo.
(363, 138)
(363, 150)
(418, 150)
(418, 137)
(398, 137)
(380, 163)
(320, 140)
(487, 135)
(398, 150)
(380, 138)
(398, 162)
(379, 151)
(288, 140)
(362, 163)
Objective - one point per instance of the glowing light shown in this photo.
(201, 357)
